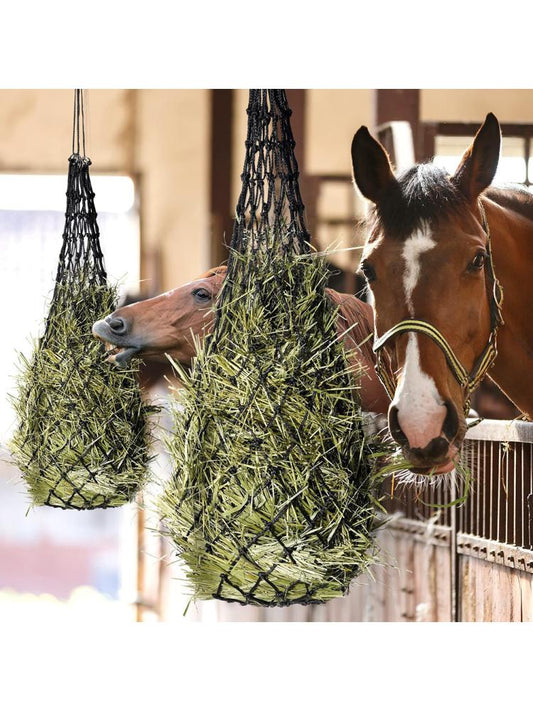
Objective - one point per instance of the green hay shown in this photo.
(273, 499)
(82, 439)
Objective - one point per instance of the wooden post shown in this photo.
(400, 105)
(139, 599)
(220, 199)
(296, 99)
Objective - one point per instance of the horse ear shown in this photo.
(372, 169)
(480, 161)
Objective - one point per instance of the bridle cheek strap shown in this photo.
(467, 381)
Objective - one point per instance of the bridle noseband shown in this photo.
(467, 380)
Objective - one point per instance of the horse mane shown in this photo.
(417, 197)
(513, 197)
(214, 271)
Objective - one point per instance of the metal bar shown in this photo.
(522, 492)
(505, 495)
(502, 431)
(498, 497)
(482, 482)
(478, 482)
(529, 498)
(515, 497)
(454, 559)
(491, 488)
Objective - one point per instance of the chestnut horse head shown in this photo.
(165, 324)
(428, 263)
(171, 323)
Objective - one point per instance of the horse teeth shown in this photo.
(112, 350)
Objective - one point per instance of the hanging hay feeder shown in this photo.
(273, 497)
(82, 440)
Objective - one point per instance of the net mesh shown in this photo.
(272, 501)
(82, 440)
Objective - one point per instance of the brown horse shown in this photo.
(437, 251)
(168, 323)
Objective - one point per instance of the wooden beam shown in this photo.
(400, 105)
(220, 202)
(297, 102)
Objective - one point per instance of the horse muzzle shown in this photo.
(437, 458)
(438, 454)
(113, 331)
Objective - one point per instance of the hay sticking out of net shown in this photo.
(273, 497)
(83, 440)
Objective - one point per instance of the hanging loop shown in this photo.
(78, 123)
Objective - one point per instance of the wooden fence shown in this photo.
(472, 562)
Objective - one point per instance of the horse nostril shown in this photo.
(116, 324)
(433, 451)
(450, 426)
(394, 427)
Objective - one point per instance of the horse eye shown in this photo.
(201, 295)
(478, 262)
(368, 271)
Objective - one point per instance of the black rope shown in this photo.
(78, 122)
(270, 210)
(269, 226)
(270, 175)
(81, 295)
(81, 255)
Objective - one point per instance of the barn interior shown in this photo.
(166, 166)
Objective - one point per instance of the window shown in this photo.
(515, 165)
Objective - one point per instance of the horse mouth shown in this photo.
(121, 355)
(436, 470)
(116, 352)
(444, 466)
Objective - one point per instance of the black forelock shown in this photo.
(421, 194)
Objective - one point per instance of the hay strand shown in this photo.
(82, 439)
(273, 500)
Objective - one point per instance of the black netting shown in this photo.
(270, 211)
(272, 500)
(82, 439)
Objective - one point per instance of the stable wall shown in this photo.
(158, 137)
(161, 137)
(472, 105)
(172, 158)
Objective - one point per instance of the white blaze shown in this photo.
(413, 248)
(421, 411)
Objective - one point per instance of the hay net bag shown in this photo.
(82, 439)
(272, 499)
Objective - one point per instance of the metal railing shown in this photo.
(499, 504)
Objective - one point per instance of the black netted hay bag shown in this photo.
(82, 440)
(272, 500)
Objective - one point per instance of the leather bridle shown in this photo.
(467, 380)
